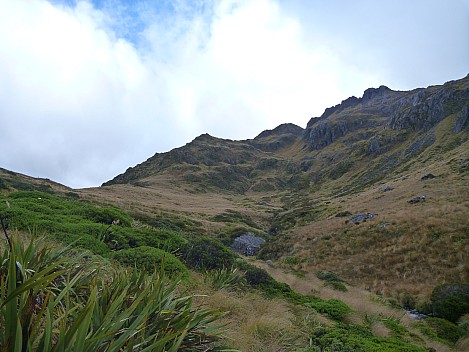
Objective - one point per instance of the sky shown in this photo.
(89, 88)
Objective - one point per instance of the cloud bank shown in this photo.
(90, 88)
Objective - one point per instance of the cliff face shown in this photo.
(382, 108)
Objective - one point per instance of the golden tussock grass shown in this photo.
(255, 323)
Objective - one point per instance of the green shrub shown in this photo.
(336, 285)
(333, 308)
(328, 276)
(106, 216)
(205, 253)
(349, 338)
(258, 277)
(273, 249)
(445, 329)
(441, 330)
(151, 259)
(450, 301)
(168, 240)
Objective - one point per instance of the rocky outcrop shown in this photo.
(325, 132)
(462, 122)
(247, 244)
(280, 137)
(358, 218)
(418, 110)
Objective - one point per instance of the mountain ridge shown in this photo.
(369, 129)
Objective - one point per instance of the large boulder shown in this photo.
(247, 244)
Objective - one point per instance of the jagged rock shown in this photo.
(371, 93)
(347, 103)
(462, 122)
(270, 263)
(358, 218)
(247, 244)
(427, 177)
(417, 199)
(387, 188)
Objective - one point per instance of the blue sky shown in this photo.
(90, 88)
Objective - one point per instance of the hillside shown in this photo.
(375, 192)
(294, 185)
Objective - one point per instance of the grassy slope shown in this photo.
(254, 321)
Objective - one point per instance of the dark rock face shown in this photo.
(372, 93)
(247, 244)
(324, 132)
(462, 123)
(417, 110)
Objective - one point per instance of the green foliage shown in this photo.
(328, 276)
(273, 249)
(348, 338)
(332, 280)
(300, 215)
(205, 253)
(70, 220)
(55, 300)
(106, 216)
(231, 216)
(394, 325)
(293, 260)
(336, 285)
(450, 301)
(259, 278)
(151, 259)
(176, 223)
(231, 278)
(333, 308)
(340, 169)
(441, 330)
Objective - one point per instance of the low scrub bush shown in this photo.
(205, 253)
(347, 338)
(328, 276)
(336, 285)
(442, 330)
(333, 308)
(450, 301)
(106, 216)
(69, 220)
(151, 259)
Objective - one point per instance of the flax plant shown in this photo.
(55, 299)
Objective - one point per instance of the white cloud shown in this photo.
(79, 103)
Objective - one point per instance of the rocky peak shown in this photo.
(416, 110)
(280, 137)
(285, 128)
(371, 93)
